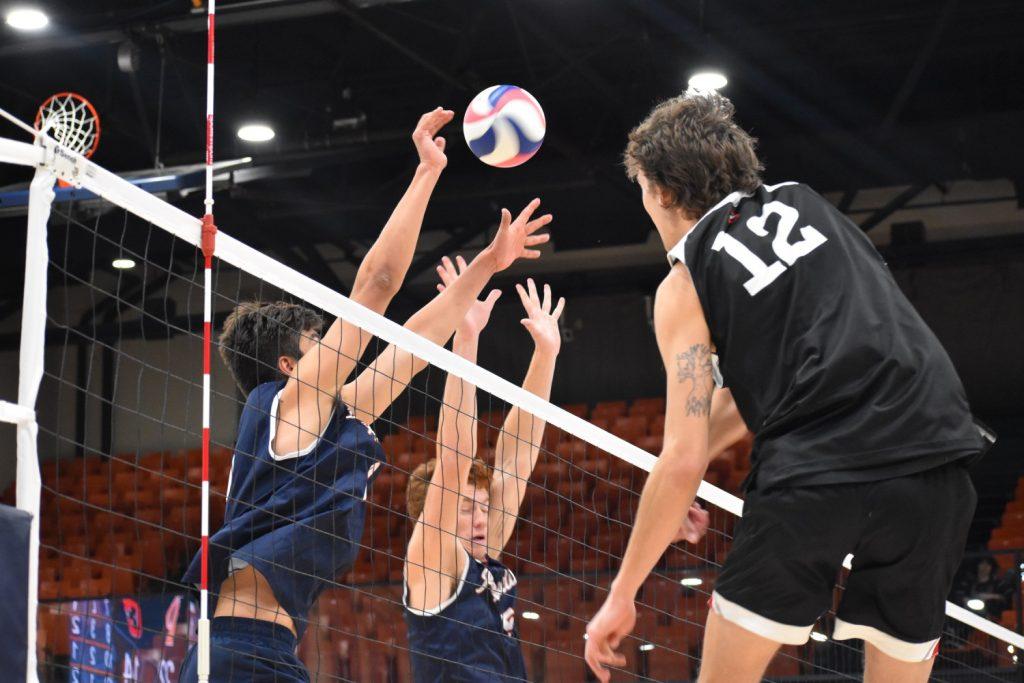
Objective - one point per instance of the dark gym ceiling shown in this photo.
(843, 95)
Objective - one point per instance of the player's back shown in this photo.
(830, 365)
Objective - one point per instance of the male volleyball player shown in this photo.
(305, 455)
(862, 425)
(459, 597)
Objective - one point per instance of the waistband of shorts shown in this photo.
(240, 627)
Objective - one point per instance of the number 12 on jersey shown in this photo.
(761, 273)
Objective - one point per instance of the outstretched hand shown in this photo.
(429, 145)
(480, 312)
(540, 321)
(515, 237)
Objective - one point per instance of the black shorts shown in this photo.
(906, 536)
(248, 651)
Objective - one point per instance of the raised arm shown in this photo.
(519, 443)
(385, 379)
(308, 398)
(385, 265)
(684, 341)
(432, 557)
(431, 560)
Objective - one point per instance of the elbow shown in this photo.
(376, 285)
(683, 462)
(383, 281)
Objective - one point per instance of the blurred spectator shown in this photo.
(982, 582)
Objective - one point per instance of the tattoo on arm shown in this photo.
(694, 366)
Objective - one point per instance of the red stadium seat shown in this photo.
(608, 410)
(647, 406)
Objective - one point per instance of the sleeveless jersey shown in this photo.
(471, 637)
(830, 366)
(297, 518)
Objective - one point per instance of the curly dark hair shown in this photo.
(690, 146)
(257, 334)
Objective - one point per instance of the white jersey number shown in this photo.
(508, 620)
(761, 273)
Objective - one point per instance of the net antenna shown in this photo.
(71, 121)
(207, 244)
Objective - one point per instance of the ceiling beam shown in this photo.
(894, 205)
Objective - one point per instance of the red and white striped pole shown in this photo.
(208, 240)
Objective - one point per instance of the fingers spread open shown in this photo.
(557, 313)
(534, 240)
(532, 286)
(546, 304)
(523, 296)
(538, 223)
(528, 210)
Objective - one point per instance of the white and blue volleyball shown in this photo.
(504, 126)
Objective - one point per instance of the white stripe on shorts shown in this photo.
(786, 634)
(890, 645)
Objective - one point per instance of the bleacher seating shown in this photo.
(126, 524)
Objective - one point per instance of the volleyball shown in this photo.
(504, 126)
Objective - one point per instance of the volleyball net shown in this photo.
(118, 449)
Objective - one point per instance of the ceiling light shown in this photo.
(976, 604)
(256, 132)
(532, 616)
(691, 581)
(123, 263)
(27, 19)
(820, 637)
(707, 80)
(646, 647)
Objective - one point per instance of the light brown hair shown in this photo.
(419, 480)
(690, 146)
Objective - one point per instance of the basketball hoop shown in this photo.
(72, 121)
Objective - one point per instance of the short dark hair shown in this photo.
(257, 333)
(419, 480)
(690, 146)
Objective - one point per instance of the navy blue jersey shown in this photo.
(471, 636)
(831, 367)
(297, 518)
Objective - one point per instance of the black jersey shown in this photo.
(831, 367)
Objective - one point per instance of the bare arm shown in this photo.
(726, 424)
(386, 378)
(432, 558)
(684, 341)
(519, 443)
(307, 400)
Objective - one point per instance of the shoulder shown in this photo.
(260, 401)
(676, 288)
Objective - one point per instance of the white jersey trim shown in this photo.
(434, 611)
(677, 253)
(890, 645)
(787, 634)
(273, 430)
